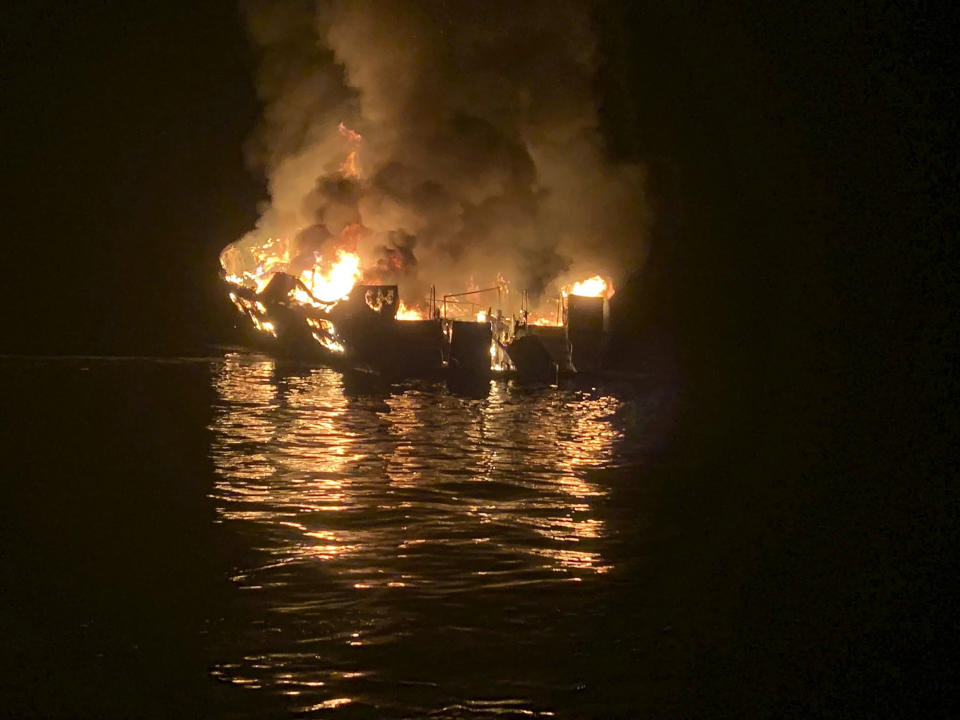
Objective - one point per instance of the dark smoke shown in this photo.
(481, 151)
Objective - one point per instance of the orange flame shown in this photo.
(349, 166)
(410, 313)
(325, 334)
(325, 282)
(336, 282)
(271, 257)
(255, 310)
(595, 286)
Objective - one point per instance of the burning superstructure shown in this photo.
(336, 297)
(325, 312)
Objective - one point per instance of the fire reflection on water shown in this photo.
(417, 495)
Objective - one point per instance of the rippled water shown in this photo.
(232, 537)
(418, 551)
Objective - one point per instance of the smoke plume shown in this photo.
(447, 142)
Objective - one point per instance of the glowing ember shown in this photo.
(542, 322)
(591, 287)
(256, 311)
(325, 334)
(330, 344)
(321, 324)
(482, 316)
(414, 313)
(263, 325)
(349, 166)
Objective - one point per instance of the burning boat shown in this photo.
(313, 297)
(572, 343)
(325, 315)
(359, 331)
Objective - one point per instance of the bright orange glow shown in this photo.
(325, 333)
(300, 296)
(256, 311)
(349, 166)
(270, 257)
(542, 322)
(263, 325)
(329, 280)
(336, 282)
(482, 316)
(290, 477)
(410, 313)
(596, 286)
(325, 281)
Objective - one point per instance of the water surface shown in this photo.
(289, 540)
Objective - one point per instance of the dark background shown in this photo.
(801, 266)
(123, 143)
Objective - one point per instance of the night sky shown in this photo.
(785, 147)
(800, 257)
(124, 150)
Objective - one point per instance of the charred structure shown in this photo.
(586, 331)
(371, 330)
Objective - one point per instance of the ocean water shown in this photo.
(232, 536)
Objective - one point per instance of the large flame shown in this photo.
(336, 281)
(270, 257)
(326, 281)
(330, 279)
(595, 286)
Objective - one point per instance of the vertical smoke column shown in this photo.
(481, 150)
